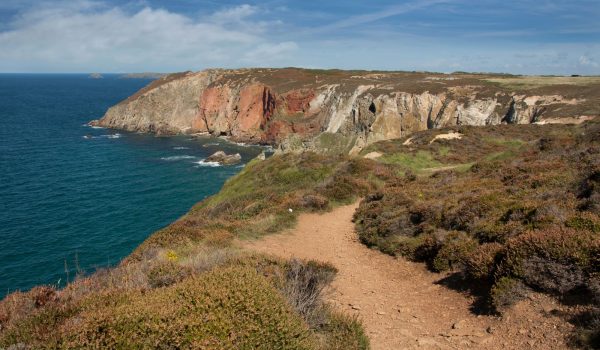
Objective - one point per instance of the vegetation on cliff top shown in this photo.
(511, 208)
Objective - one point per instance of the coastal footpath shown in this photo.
(344, 111)
(453, 237)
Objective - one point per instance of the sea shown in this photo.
(74, 198)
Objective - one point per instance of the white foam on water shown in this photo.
(107, 136)
(181, 147)
(92, 126)
(174, 158)
(209, 164)
(210, 144)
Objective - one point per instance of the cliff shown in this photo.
(344, 110)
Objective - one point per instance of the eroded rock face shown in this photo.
(294, 106)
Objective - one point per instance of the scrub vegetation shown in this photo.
(188, 286)
(509, 209)
(523, 215)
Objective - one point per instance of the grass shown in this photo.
(532, 82)
(415, 162)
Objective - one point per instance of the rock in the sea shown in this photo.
(224, 158)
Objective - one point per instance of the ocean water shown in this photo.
(72, 196)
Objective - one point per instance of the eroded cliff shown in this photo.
(344, 110)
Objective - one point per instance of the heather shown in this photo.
(508, 208)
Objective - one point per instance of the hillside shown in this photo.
(343, 111)
(503, 212)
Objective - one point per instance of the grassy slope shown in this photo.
(186, 286)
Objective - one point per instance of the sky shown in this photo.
(116, 36)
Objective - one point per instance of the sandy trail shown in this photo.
(400, 303)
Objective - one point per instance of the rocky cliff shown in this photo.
(344, 110)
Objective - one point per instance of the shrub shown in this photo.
(454, 251)
(506, 292)
(551, 276)
(561, 245)
(304, 285)
(481, 262)
(343, 332)
(314, 202)
(584, 221)
(166, 273)
(228, 308)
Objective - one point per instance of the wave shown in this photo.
(92, 126)
(174, 158)
(211, 144)
(181, 147)
(209, 164)
(107, 136)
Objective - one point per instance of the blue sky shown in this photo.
(524, 37)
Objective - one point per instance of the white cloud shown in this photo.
(266, 52)
(89, 36)
(585, 60)
(234, 14)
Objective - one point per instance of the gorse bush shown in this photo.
(242, 302)
(228, 308)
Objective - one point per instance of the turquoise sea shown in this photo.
(79, 198)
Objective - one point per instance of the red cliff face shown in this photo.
(213, 112)
(269, 105)
(242, 115)
(256, 106)
(298, 101)
(246, 115)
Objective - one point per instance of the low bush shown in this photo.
(454, 251)
(227, 308)
(303, 287)
(524, 216)
(506, 292)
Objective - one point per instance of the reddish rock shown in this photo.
(213, 114)
(298, 101)
(256, 106)
(277, 131)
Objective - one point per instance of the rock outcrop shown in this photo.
(338, 110)
(224, 158)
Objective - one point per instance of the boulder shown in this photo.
(224, 158)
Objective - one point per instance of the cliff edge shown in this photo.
(345, 110)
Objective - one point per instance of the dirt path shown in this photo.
(400, 303)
